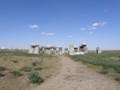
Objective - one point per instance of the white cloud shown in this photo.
(90, 33)
(97, 24)
(47, 33)
(34, 26)
(50, 34)
(92, 28)
(70, 36)
(82, 29)
(43, 33)
(103, 23)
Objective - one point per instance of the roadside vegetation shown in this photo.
(106, 63)
(35, 78)
(18, 69)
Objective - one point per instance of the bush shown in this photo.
(35, 78)
(26, 69)
(15, 61)
(35, 63)
(104, 71)
(117, 78)
(16, 73)
(1, 74)
(2, 68)
(117, 68)
(38, 68)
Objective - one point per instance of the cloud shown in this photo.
(82, 29)
(70, 36)
(90, 33)
(96, 25)
(34, 26)
(47, 33)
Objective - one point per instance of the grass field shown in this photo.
(19, 70)
(106, 63)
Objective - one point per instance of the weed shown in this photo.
(26, 69)
(2, 68)
(15, 61)
(117, 78)
(101, 60)
(35, 78)
(1, 74)
(104, 71)
(37, 68)
(35, 63)
(117, 68)
(16, 73)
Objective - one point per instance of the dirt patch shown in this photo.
(75, 76)
(50, 67)
(115, 58)
(47, 67)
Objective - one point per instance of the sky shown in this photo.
(60, 23)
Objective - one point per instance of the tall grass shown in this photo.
(108, 60)
(21, 53)
(103, 60)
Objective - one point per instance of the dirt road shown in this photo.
(75, 76)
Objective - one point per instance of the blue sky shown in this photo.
(60, 22)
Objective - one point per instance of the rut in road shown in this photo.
(75, 76)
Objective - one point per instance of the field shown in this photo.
(19, 70)
(107, 63)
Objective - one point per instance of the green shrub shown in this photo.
(37, 68)
(2, 68)
(15, 61)
(16, 73)
(117, 78)
(103, 60)
(35, 63)
(117, 68)
(26, 69)
(35, 78)
(1, 74)
(104, 71)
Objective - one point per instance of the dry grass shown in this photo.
(11, 60)
(106, 63)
